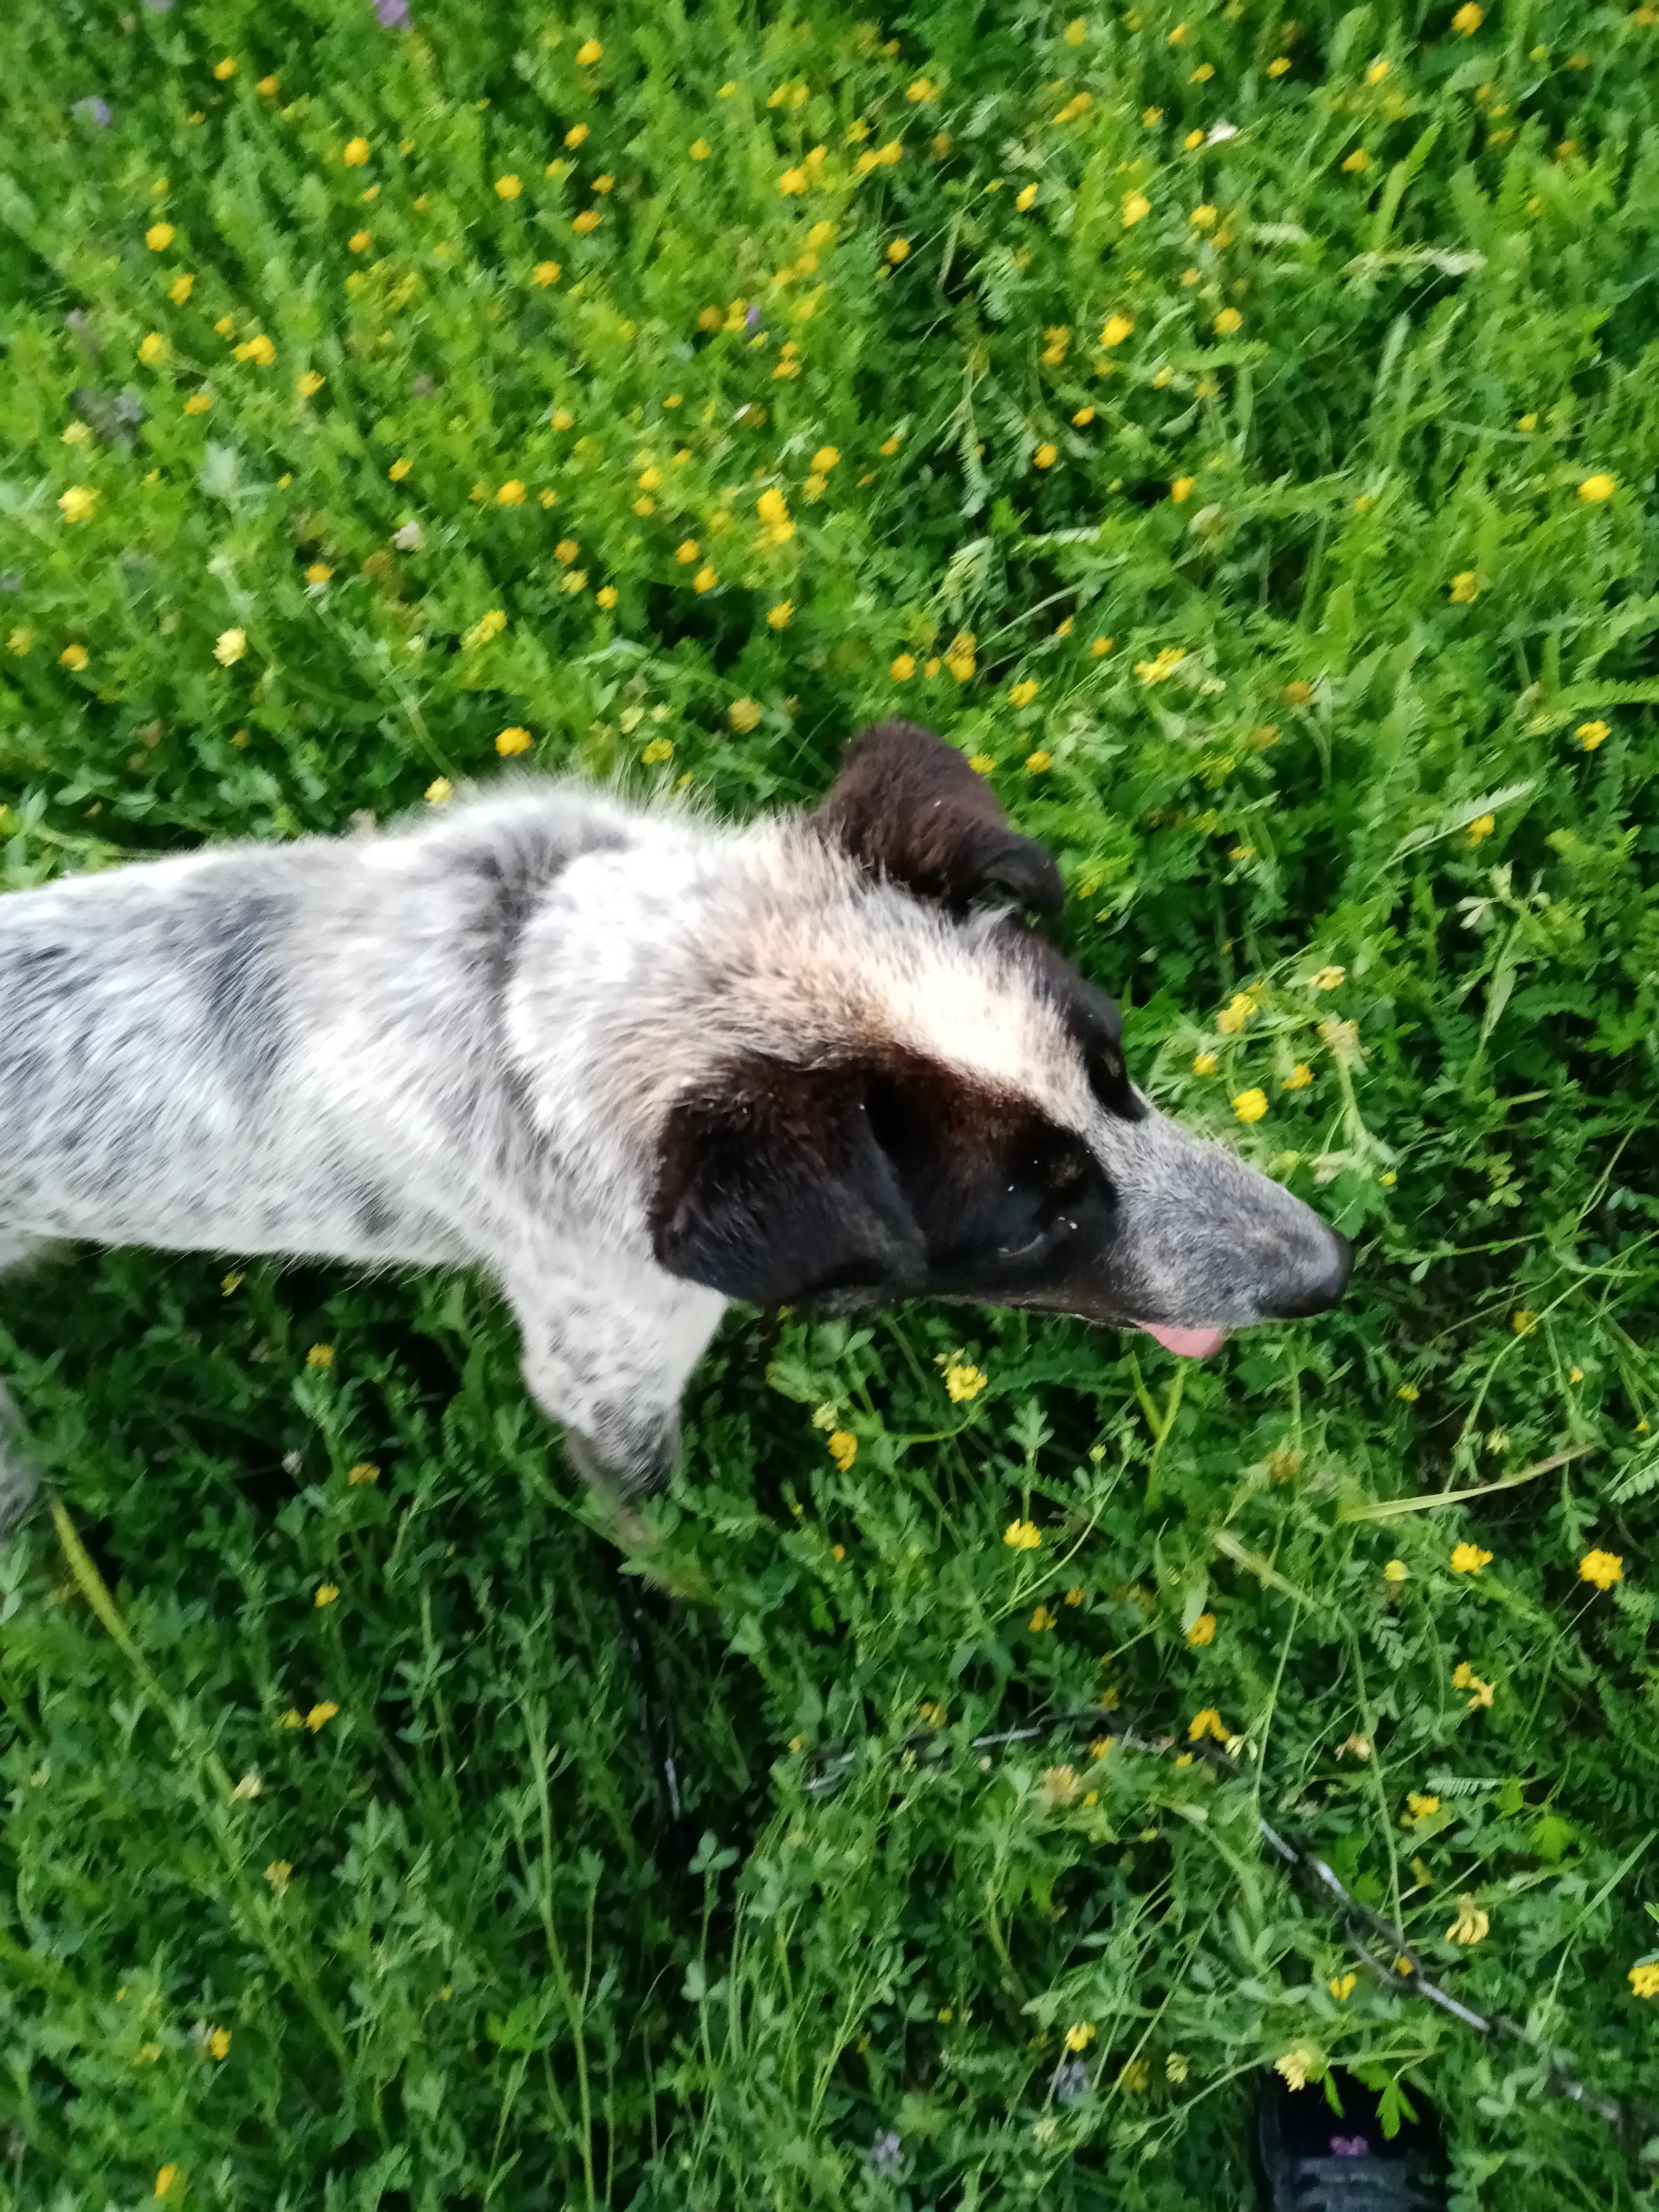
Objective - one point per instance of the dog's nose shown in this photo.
(1319, 1286)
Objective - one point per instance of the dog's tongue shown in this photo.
(1191, 1343)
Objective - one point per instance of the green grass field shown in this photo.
(1239, 435)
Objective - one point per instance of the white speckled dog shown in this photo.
(635, 1064)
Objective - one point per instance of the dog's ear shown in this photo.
(771, 1186)
(907, 805)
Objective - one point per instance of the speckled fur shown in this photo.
(455, 1043)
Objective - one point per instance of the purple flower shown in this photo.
(95, 110)
(1071, 2082)
(887, 2154)
(393, 15)
(751, 319)
(1350, 2147)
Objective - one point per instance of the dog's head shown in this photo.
(970, 1130)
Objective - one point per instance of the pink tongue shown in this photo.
(1191, 1343)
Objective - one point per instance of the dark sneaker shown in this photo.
(1314, 2160)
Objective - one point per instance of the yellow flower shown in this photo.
(292, 1718)
(1204, 1063)
(587, 221)
(512, 741)
(358, 241)
(1342, 1987)
(1358, 162)
(606, 596)
(744, 714)
(227, 67)
(1207, 1723)
(588, 53)
(320, 1716)
(1136, 208)
(77, 502)
(320, 1355)
(1080, 2035)
(1202, 1631)
(844, 1448)
(511, 493)
(507, 187)
(1328, 979)
(1482, 826)
(1468, 1559)
(1039, 762)
(566, 552)
(1297, 2065)
(165, 2178)
(269, 86)
(198, 404)
(562, 419)
(228, 649)
(1228, 321)
(1299, 1078)
(318, 573)
(159, 237)
(1025, 197)
(575, 135)
(1591, 734)
(1598, 487)
(365, 1471)
(1045, 457)
(1471, 1925)
(1163, 666)
(771, 507)
(1645, 1981)
(1022, 1537)
(1604, 1569)
(685, 553)
(700, 149)
(659, 750)
(1465, 588)
(1278, 66)
(219, 2042)
(980, 763)
(21, 641)
(898, 249)
(1422, 1808)
(1084, 416)
(1251, 1105)
(705, 580)
(1182, 490)
(1202, 218)
(1409, 1392)
(438, 791)
(777, 616)
(964, 1382)
(310, 384)
(327, 1592)
(73, 656)
(355, 154)
(258, 349)
(180, 290)
(1041, 1619)
(1467, 19)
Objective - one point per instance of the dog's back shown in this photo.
(223, 1051)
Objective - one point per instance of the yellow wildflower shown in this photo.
(1471, 1925)
(898, 249)
(73, 656)
(685, 553)
(904, 667)
(1297, 2065)
(704, 581)
(1591, 734)
(438, 791)
(1468, 1559)
(355, 153)
(587, 221)
(1358, 162)
(1039, 762)
(1395, 1571)
(180, 290)
(512, 741)
(269, 86)
(1025, 197)
(1116, 329)
(1278, 66)
(1598, 487)
(1202, 218)
(310, 384)
(1468, 19)
(258, 349)
(1182, 490)
(1465, 588)
(1251, 1105)
(606, 596)
(1202, 1631)
(231, 645)
(744, 714)
(165, 2178)
(964, 1382)
(1299, 1078)
(844, 1448)
(1162, 666)
(777, 616)
(1482, 826)
(588, 53)
(327, 1592)
(1045, 457)
(320, 1716)
(1041, 1619)
(659, 750)
(198, 404)
(159, 237)
(1604, 1569)
(1136, 208)
(1207, 1723)
(1022, 1537)
(77, 502)
(1204, 1063)
(1080, 2035)
(1645, 1981)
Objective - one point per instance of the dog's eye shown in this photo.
(1065, 1172)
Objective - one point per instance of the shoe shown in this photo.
(1313, 2160)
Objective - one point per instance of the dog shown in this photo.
(633, 1063)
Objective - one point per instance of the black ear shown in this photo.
(771, 1186)
(907, 805)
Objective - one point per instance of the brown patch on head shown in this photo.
(907, 806)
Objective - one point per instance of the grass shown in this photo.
(1313, 495)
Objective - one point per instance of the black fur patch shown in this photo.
(907, 806)
(240, 980)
